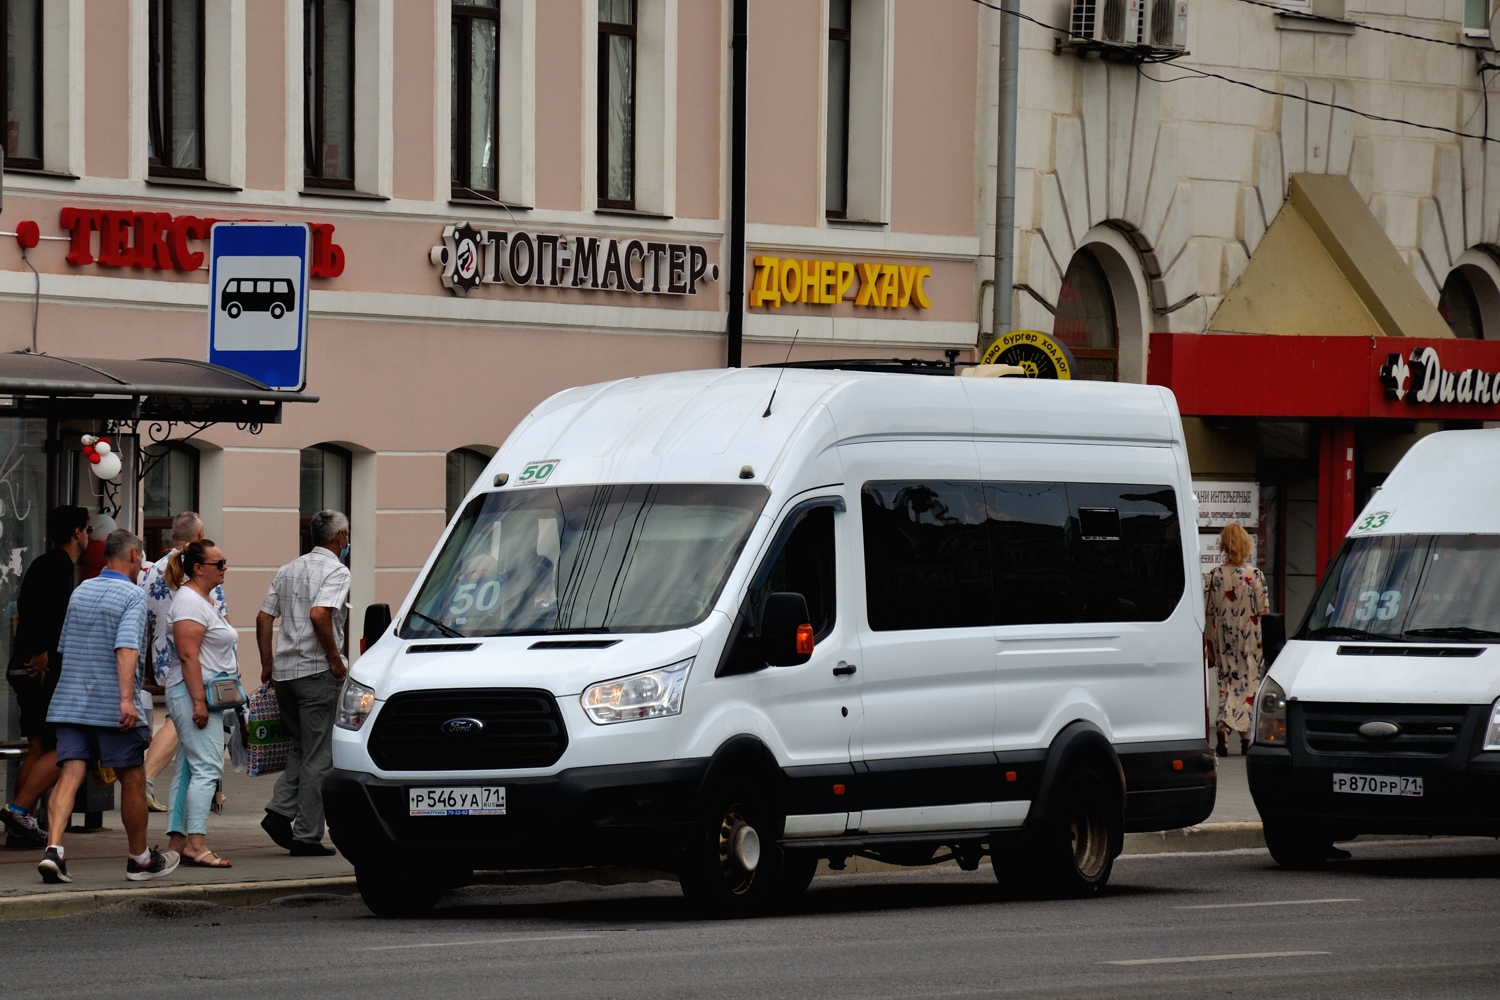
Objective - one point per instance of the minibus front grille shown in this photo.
(1425, 730)
(468, 730)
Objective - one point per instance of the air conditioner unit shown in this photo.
(1114, 22)
(1166, 25)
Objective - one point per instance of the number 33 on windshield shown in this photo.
(1383, 605)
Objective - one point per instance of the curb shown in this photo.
(1204, 838)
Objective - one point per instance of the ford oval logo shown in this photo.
(462, 727)
(1379, 730)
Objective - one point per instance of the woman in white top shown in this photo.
(206, 647)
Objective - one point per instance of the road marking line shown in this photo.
(458, 944)
(1216, 958)
(1279, 902)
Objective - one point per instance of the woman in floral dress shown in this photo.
(1236, 598)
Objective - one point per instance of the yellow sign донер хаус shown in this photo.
(789, 280)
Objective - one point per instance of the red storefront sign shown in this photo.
(1252, 375)
(160, 241)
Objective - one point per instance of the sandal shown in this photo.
(208, 859)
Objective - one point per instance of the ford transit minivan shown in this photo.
(729, 623)
(1381, 713)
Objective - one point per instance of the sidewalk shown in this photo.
(263, 871)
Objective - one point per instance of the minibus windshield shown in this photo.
(619, 558)
(1419, 588)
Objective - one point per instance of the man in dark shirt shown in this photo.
(34, 664)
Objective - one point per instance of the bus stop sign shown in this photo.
(257, 316)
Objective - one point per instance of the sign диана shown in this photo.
(788, 280)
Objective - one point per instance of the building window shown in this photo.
(328, 93)
(23, 83)
(464, 467)
(476, 98)
(616, 149)
(836, 172)
(326, 484)
(1459, 307)
(171, 477)
(1085, 319)
(176, 85)
(1477, 15)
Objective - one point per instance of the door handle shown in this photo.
(844, 669)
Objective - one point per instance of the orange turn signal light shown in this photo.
(804, 639)
(1177, 765)
(1010, 776)
(838, 789)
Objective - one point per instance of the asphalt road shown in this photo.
(1408, 919)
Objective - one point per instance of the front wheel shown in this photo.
(233, 309)
(733, 866)
(395, 896)
(1299, 846)
(278, 311)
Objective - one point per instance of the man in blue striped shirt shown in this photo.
(96, 707)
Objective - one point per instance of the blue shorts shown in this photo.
(110, 747)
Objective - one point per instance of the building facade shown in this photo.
(507, 198)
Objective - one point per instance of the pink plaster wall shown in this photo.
(265, 96)
(413, 101)
(559, 105)
(411, 482)
(257, 478)
(784, 107)
(405, 539)
(700, 42)
(932, 160)
(107, 90)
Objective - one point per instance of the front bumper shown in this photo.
(1456, 800)
(636, 814)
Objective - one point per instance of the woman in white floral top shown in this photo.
(1236, 598)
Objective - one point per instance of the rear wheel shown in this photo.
(733, 866)
(1073, 852)
(389, 894)
(1299, 845)
(797, 871)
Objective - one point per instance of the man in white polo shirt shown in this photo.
(310, 595)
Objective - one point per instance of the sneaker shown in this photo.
(53, 868)
(23, 825)
(161, 863)
(278, 828)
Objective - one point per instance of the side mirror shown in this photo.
(1272, 635)
(786, 634)
(377, 620)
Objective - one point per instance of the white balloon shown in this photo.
(108, 466)
(89, 439)
(102, 447)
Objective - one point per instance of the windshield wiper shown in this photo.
(1346, 632)
(1454, 632)
(451, 633)
(598, 630)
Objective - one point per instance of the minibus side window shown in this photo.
(803, 565)
(1028, 524)
(927, 555)
(1126, 548)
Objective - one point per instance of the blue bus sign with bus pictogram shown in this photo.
(257, 311)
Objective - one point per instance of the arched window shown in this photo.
(171, 488)
(1459, 306)
(464, 466)
(326, 470)
(1085, 319)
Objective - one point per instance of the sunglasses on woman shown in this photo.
(220, 565)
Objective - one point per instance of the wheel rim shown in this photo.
(739, 852)
(1090, 835)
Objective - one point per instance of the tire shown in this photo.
(1297, 845)
(736, 818)
(797, 871)
(233, 309)
(393, 896)
(278, 311)
(1072, 854)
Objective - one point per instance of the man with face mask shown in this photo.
(306, 664)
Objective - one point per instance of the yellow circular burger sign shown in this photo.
(1041, 355)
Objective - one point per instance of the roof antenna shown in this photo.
(783, 372)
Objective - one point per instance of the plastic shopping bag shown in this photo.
(266, 743)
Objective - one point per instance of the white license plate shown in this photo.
(471, 801)
(1378, 784)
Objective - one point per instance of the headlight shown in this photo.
(355, 704)
(1270, 714)
(1492, 731)
(651, 695)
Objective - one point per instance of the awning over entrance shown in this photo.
(151, 389)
